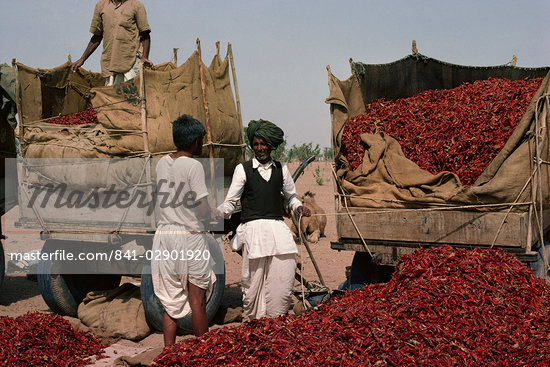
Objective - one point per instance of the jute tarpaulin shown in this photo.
(170, 91)
(51, 92)
(45, 93)
(170, 94)
(386, 178)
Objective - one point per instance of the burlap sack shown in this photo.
(117, 312)
(86, 141)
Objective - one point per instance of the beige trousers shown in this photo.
(267, 284)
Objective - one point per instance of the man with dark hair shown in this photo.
(123, 27)
(181, 283)
(266, 242)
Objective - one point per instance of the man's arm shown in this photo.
(205, 212)
(145, 40)
(94, 43)
(290, 194)
(195, 178)
(235, 192)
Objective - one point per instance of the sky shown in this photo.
(281, 48)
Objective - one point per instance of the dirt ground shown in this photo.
(19, 295)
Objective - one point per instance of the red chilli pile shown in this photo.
(37, 339)
(442, 307)
(459, 130)
(88, 116)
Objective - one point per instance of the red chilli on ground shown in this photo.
(88, 116)
(459, 130)
(442, 307)
(38, 339)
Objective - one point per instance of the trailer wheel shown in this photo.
(64, 292)
(154, 310)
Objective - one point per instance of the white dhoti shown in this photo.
(267, 284)
(178, 257)
(117, 78)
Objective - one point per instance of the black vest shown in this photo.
(262, 199)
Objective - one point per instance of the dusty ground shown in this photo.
(19, 295)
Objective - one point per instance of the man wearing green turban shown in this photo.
(271, 133)
(268, 248)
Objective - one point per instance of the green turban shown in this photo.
(271, 133)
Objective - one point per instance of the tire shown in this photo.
(364, 271)
(64, 292)
(154, 310)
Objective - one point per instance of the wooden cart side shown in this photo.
(392, 233)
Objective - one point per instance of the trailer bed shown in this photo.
(391, 233)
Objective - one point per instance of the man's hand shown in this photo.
(304, 210)
(92, 45)
(147, 63)
(76, 65)
(216, 214)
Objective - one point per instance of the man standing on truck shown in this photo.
(181, 283)
(268, 249)
(123, 27)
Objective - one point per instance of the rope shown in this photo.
(401, 210)
(510, 209)
(210, 143)
(36, 212)
(363, 242)
(439, 206)
(539, 217)
(125, 214)
(85, 126)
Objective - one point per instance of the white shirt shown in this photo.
(262, 237)
(180, 183)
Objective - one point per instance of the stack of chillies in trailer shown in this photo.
(88, 116)
(459, 130)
